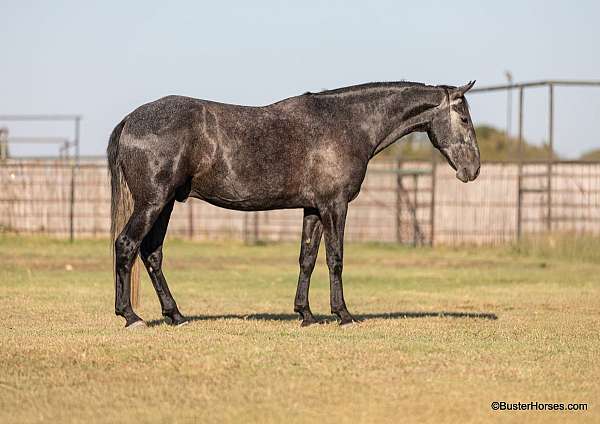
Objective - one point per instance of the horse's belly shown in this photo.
(246, 197)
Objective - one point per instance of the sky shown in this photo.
(103, 59)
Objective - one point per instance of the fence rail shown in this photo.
(411, 203)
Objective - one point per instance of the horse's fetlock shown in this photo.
(169, 310)
(300, 308)
(336, 309)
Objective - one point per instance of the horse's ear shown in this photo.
(460, 91)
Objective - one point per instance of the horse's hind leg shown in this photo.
(151, 254)
(127, 246)
(312, 230)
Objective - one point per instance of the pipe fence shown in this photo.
(412, 203)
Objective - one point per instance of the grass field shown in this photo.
(64, 356)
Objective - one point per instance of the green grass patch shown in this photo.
(64, 356)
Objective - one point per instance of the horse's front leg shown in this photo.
(312, 229)
(334, 221)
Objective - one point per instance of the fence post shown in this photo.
(3, 144)
(520, 167)
(256, 227)
(550, 154)
(251, 231)
(74, 168)
(72, 205)
(432, 199)
(191, 220)
(398, 201)
(415, 209)
(245, 229)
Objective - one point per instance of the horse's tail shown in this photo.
(121, 206)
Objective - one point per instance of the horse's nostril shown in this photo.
(477, 172)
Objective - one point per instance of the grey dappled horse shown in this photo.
(309, 152)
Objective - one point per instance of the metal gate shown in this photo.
(415, 204)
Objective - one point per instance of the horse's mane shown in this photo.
(374, 85)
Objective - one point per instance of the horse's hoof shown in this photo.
(309, 322)
(348, 324)
(174, 323)
(137, 324)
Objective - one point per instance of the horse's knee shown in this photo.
(337, 268)
(307, 262)
(335, 265)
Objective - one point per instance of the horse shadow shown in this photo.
(330, 318)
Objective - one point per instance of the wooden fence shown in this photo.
(399, 202)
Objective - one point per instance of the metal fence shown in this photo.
(414, 203)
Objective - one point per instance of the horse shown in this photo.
(309, 151)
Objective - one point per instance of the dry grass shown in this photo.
(64, 356)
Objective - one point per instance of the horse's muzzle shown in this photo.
(468, 173)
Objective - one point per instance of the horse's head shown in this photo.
(451, 132)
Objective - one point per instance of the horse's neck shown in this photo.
(391, 117)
